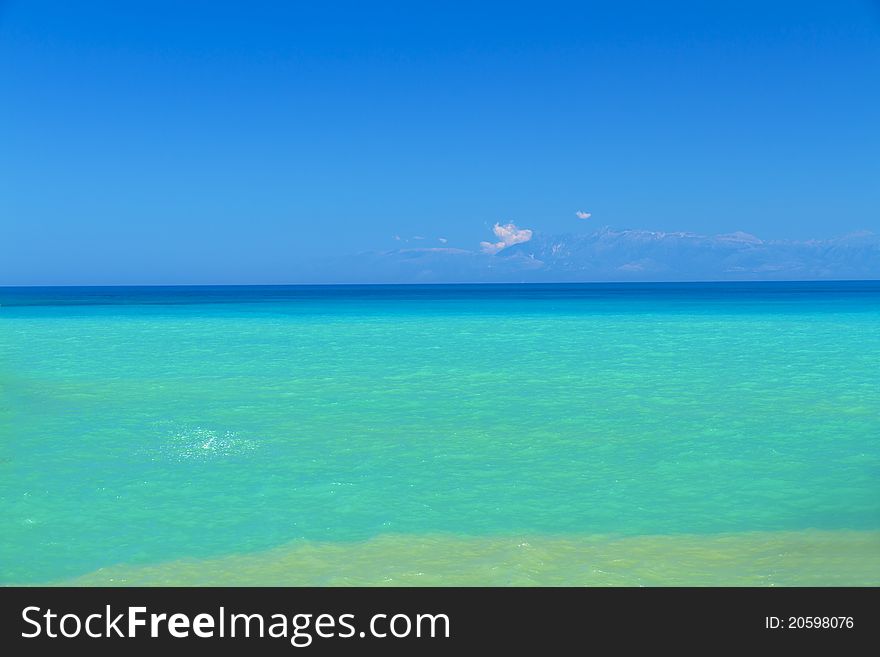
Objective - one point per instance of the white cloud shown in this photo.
(580, 214)
(442, 240)
(397, 237)
(508, 235)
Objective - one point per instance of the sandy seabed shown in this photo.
(793, 558)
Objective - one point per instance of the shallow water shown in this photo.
(153, 433)
(817, 558)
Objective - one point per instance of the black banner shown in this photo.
(430, 621)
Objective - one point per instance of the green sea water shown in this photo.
(616, 434)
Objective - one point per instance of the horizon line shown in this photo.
(436, 284)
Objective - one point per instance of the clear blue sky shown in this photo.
(209, 141)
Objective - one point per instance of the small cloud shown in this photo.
(418, 237)
(397, 237)
(580, 214)
(508, 235)
(442, 240)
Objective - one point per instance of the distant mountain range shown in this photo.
(632, 255)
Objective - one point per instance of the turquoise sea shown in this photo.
(714, 433)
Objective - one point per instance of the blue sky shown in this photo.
(199, 142)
